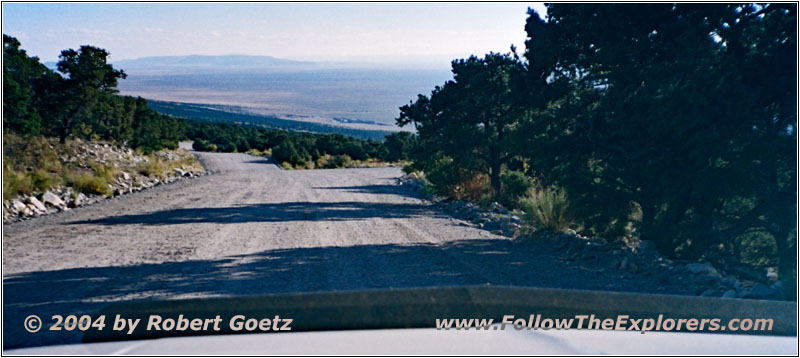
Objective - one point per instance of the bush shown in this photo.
(444, 175)
(473, 188)
(547, 209)
(340, 161)
(450, 180)
(355, 150)
(514, 185)
(285, 152)
(106, 172)
(151, 168)
(89, 184)
(15, 183)
(43, 181)
(200, 145)
(227, 146)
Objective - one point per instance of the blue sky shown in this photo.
(303, 31)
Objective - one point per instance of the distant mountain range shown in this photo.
(159, 65)
(203, 62)
(226, 61)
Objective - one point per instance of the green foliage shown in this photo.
(471, 119)
(286, 152)
(15, 183)
(707, 155)
(153, 167)
(300, 150)
(445, 176)
(85, 81)
(78, 101)
(547, 209)
(153, 131)
(448, 178)
(106, 172)
(339, 161)
(679, 127)
(515, 184)
(204, 146)
(21, 75)
(89, 184)
(398, 146)
(43, 180)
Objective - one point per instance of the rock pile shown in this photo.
(128, 179)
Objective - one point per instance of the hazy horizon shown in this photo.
(432, 33)
(382, 54)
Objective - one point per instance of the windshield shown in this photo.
(525, 167)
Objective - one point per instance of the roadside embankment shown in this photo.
(42, 176)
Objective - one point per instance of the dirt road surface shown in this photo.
(253, 228)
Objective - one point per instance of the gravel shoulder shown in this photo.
(253, 228)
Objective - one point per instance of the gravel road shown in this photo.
(253, 228)
(249, 207)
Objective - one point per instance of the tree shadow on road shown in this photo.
(273, 212)
(464, 262)
(385, 189)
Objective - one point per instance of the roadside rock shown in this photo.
(37, 205)
(77, 201)
(17, 205)
(53, 200)
(703, 269)
(760, 291)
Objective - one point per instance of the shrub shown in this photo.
(445, 176)
(473, 188)
(227, 146)
(152, 167)
(106, 172)
(514, 185)
(15, 183)
(340, 161)
(200, 145)
(43, 181)
(355, 150)
(89, 184)
(256, 152)
(546, 209)
(285, 152)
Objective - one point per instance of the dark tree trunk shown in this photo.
(495, 175)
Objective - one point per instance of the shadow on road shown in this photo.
(262, 161)
(370, 189)
(466, 262)
(277, 212)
